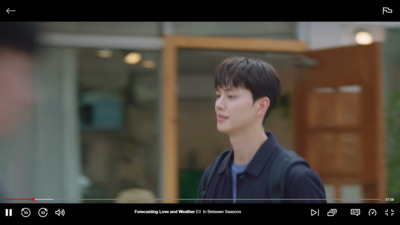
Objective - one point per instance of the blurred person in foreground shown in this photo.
(18, 42)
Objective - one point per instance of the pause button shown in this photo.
(8, 212)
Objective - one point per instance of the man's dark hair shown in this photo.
(259, 77)
(19, 36)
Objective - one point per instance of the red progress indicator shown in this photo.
(19, 199)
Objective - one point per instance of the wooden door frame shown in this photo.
(371, 120)
(169, 97)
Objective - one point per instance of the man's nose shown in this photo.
(220, 103)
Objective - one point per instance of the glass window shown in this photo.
(391, 55)
(118, 101)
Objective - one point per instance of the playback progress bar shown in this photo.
(29, 199)
(178, 199)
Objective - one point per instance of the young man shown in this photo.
(17, 47)
(246, 92)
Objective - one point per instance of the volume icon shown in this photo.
(8, 212)
(60, 212)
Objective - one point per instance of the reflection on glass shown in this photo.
(391, 57)
(119, 126)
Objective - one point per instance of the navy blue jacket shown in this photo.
(252, 185)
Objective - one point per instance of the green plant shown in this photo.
(393, 145)
(284, 104)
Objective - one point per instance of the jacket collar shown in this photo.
(260, 159)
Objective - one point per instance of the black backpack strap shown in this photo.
(209, 173)
(282, 164)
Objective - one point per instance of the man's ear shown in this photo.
(263, 105)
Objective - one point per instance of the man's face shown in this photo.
(16, 90)
(235, 110)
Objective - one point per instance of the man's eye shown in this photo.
(231, 96)
(217, 96)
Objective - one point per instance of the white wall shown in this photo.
(321, 35)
